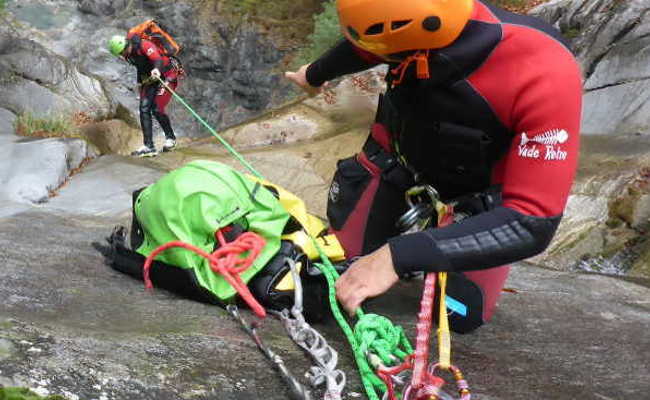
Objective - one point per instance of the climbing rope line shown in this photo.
(386, 351)
(425, 384)
(223, 141)
(376, 338)
(375, 341)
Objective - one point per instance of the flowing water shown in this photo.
(618, 264)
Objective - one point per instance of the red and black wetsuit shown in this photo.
(500, 114)
(146, 56)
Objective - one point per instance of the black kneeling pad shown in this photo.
(464, 303)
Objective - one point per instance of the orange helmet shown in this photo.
(385, 27)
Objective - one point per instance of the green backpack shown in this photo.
(193, 202)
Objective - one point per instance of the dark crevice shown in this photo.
(627, 29)
(643, 78)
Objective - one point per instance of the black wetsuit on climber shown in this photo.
(495, 127)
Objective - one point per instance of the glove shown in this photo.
(155, 73)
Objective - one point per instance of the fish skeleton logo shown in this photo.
(149, 51)
(552, 137)
(550, 140)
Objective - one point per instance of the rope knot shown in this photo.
(377, 335)
(229, 260)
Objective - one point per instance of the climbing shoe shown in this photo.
(145, 151)
(169, 144)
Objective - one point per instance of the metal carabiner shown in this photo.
(420, 211)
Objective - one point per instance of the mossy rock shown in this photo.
(14, 393)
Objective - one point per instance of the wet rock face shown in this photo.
(103, 7)
(611, 38)
(607, 217)
(71, 325)
(35, 80)
(229, 65)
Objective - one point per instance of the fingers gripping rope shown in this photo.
(425, 384)
(226, 261)
(324, 356)
(372, 328)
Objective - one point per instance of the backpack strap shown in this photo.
(177, 280)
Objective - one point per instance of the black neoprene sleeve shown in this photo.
(342, 59)
(494, 238)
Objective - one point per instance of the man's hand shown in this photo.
(300, 78)
(155, 73)
(369, 276)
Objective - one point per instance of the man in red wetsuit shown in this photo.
(151, 64)
(482, 104)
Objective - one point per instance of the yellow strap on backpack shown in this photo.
(313, 225)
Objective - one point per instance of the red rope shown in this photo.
(425, 384)
(226, 261)
(423, 329)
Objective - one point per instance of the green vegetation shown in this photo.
(287, 22)
(511, 3)
(53, 126)
(3, 3)
(13, 393)
(326, 34)
(571, 33)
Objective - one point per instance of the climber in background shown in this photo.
(153, 52)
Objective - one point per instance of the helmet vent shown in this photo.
(431, 23)
(375, 29)
(395, 25)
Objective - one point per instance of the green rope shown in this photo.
(212, 131)
(374, 335)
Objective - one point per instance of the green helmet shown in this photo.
(116, 45)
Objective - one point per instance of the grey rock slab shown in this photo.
(94, 330)
(103, 7)
(7, 349)
(32, 168)
(619, 109)
(104, 186)
(611, 40)
(39, 81)
(28, 96)
(79, 327)
(9, 207)
(7, 119)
